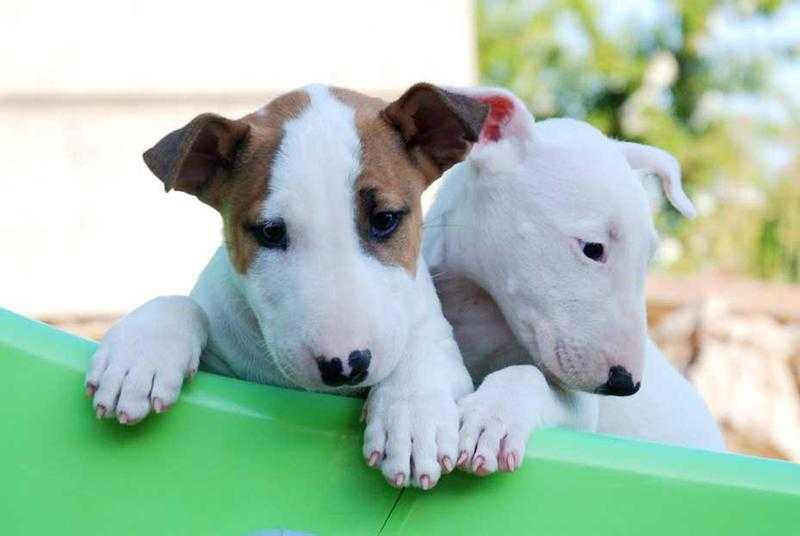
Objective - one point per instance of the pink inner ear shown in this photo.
(500, 110)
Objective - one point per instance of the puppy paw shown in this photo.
(412, 439)
(496, 421)
(135, 371)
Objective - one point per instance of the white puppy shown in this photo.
(319, 284)
(539, 245)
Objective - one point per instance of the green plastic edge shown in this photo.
(570, 482)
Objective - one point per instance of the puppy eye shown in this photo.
(383, 224)
(595, 251)
(271, 234)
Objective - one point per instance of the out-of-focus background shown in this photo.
(87, 234)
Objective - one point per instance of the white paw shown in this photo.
(136, 370)
(496, 421)
(412, 438)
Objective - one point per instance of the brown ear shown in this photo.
(193, 159)
(437, 125)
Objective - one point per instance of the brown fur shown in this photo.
(389, 180)
(249, 182)
(197, 158)
(405, 146)
(438, 126)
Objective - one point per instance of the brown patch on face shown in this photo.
(390, 181)
(248, 188)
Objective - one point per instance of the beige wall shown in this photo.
(88, 85)
(230, 46)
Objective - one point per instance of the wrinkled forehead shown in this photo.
(321, 131)
(336, 151)
(318, 159)
(591, 187)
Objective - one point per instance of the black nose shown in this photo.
(620, 383)
(359, 365)
(332, 370)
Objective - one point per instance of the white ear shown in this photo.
(666, 167)
(506, 132)
(508, 118)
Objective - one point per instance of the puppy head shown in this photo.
(564, 235)
(319, 192)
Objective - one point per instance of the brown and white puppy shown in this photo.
(319, 283)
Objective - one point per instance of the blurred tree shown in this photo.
(659, 73)
(778, 252)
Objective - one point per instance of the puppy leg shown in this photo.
(412, 416)
(498, 418)
(142, 361)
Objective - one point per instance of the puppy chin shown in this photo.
(549, 363)
(571, 384)
(305, 382)
(555, 378)
(560, 378)
(561, 365)
(300, 373)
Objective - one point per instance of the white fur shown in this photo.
(301, 296)
(533, 315)
(144, 360)
(324, 295)
(414, 410)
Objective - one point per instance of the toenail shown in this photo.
(447, 465)
(425, 482)
(373, 458)
(477, 463)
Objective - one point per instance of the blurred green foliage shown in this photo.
(656, 76)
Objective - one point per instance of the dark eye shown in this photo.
(595, 251)
(271, 234)
(383, 224)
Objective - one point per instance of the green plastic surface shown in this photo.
(238, 458)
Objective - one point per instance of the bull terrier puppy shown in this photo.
(539, 244)
(319, 283)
